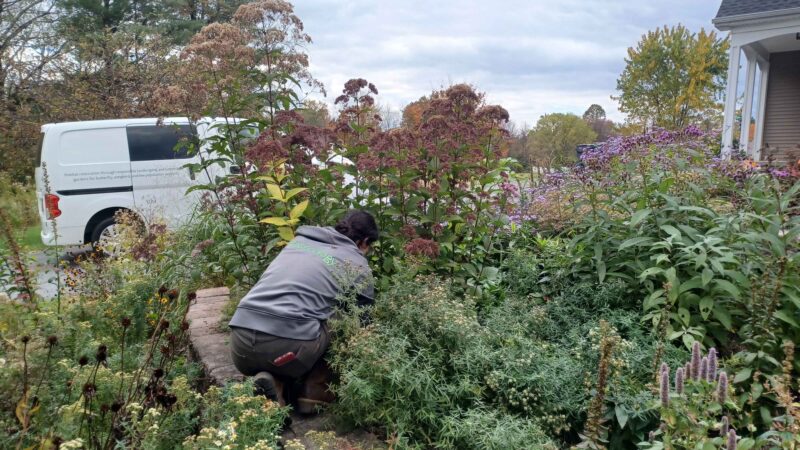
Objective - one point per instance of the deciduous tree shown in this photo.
(673, 78)
(412, 113)
(553, 140)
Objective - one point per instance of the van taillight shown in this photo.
(51, 206)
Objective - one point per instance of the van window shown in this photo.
(98, 146)
(149, 143)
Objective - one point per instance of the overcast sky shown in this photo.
(532, 57)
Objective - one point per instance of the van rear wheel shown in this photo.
(106, 237)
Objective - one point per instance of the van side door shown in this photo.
(158, 154)
(88, 169)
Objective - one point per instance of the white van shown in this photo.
(97, 168)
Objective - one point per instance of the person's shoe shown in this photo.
(265, 384)
(314, 394)
(310, 406)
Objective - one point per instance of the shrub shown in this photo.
(429, 359)
(18, 200)
(706, 248)
(232, 417)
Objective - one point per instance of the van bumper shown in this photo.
(66, 235)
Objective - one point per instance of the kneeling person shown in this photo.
(279, 331)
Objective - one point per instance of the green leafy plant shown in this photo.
(290, 214)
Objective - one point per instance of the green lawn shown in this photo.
(29, 239)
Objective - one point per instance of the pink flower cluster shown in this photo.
(422, 247)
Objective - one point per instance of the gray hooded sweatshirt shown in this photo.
(299, 288)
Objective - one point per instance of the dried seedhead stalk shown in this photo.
(594, 426)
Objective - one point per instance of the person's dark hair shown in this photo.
(358, 226)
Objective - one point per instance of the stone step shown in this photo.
(210, 341)
(209, 338)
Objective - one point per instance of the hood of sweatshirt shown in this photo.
(326, 235)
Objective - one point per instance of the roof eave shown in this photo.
(728, 22)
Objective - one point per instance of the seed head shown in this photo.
(125, 322)
(83, 360)
(679, 374)
(164, 324)
(102, 353)
(184, 325)
(162, 290)
(172, 294)
(696, 361)
(158, 373)
(116, 406)
(89, 389)
(665, 388)
(191, 296)
(166, 399)
(26, 339)
(731, 440)
(52, 340)
(722, 387)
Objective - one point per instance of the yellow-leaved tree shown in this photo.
(674, 78)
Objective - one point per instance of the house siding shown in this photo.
(782, 116)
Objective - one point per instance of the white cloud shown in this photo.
(530, 56)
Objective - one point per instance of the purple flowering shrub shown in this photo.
(700, 409)
(438, 189)
(707, 248)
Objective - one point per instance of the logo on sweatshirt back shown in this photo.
(327, 259)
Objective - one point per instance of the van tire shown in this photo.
(101, 226)
(98, 231)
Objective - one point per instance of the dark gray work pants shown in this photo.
(254, 351)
